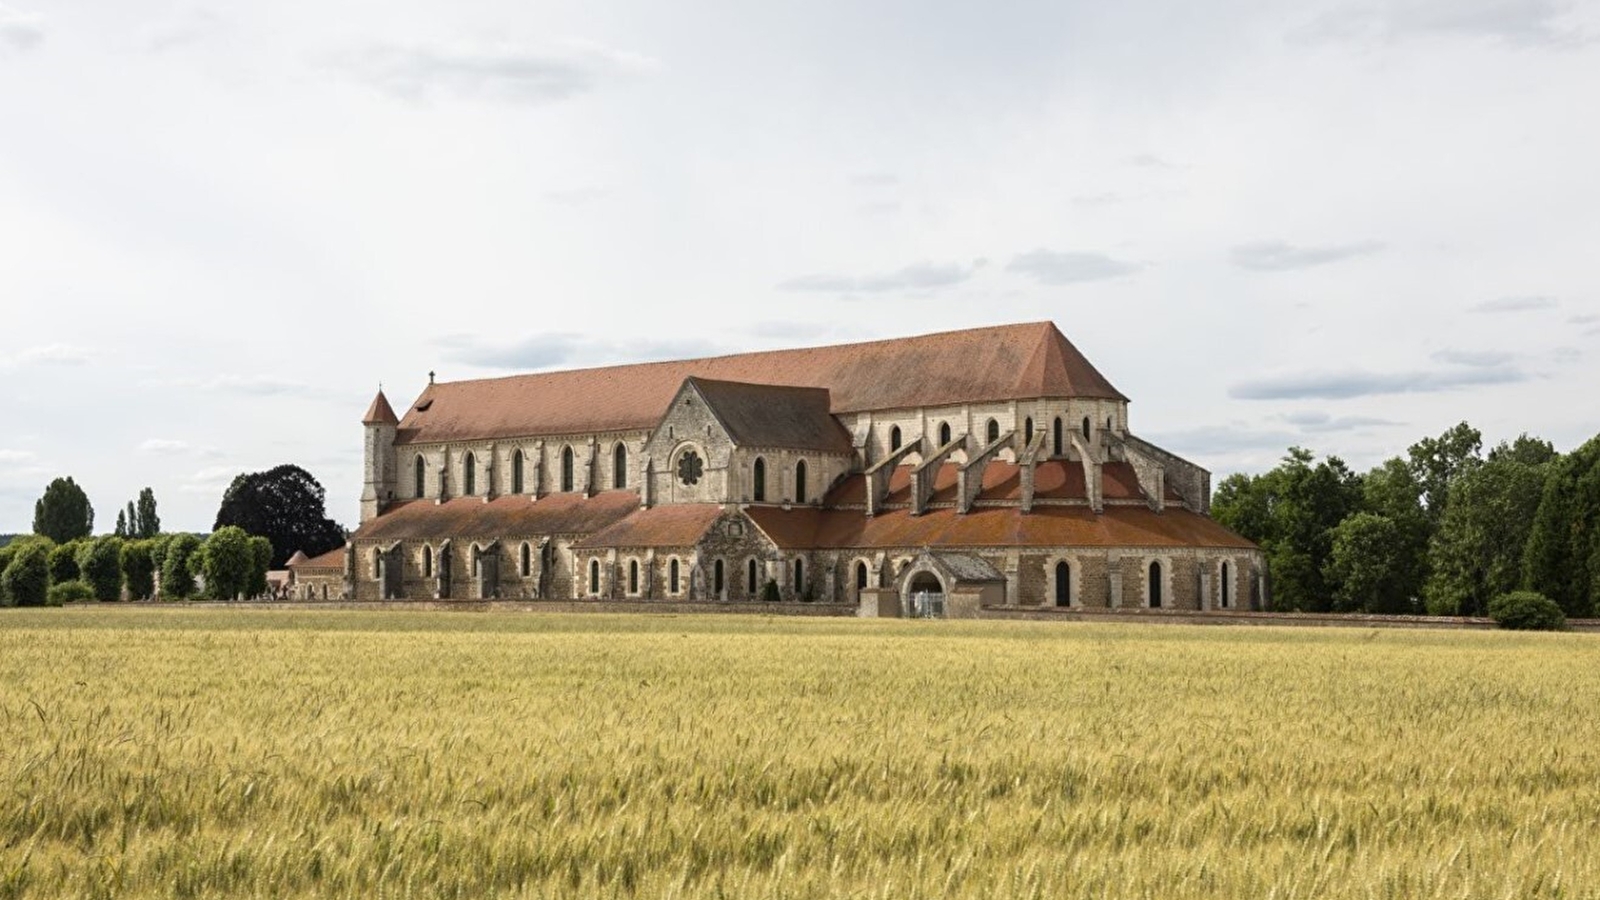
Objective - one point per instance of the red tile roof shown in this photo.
(1007, 362)
(333, 559)
(514, 515)
(380, 412)
(661, 526)
(778, 416)
(1048, 526)
(1055, 479)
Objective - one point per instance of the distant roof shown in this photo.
(1000, 363)
(380, 412)
(510, 516)
(1046, 526)
(779, 416)
(660, 526)
(298, 558)
(333, 559)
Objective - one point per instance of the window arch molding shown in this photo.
(517, 470)
(758, 480)
(991, 431)
(895, 438)
(469, 474)
(800, 481)
(420, 476)
(619, 466)
(1156, 576)
(944, 433)
(568, 464)
(1074, 585)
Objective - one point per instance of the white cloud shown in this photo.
(19, 31)
(163, 445)
(505, 71)
(51, 355)
(1514, 304)
(1279, 256)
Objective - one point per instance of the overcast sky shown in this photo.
(1339, 224)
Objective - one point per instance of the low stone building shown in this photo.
(970, 469)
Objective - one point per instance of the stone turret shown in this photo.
(379, 424)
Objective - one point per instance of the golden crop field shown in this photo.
(247, 753)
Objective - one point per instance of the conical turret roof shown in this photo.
(380, 412)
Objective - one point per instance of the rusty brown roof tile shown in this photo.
(777, 416)
(661, 526)
(1006, 362)
(380, 412)
(514, 515)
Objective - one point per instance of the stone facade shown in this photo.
(734, 485)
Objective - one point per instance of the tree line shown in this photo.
(1445, 529)
(263, 519)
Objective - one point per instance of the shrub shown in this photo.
(27, 577)
(138, 569)
(101, 565)
(769, 593)
(69, 592)
(1527, 611)
(64, 562)
(177, 574)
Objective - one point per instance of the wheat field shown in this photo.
(248, 753)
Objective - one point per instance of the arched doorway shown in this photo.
(1063, 584)
(1155, 585)
(925, 596)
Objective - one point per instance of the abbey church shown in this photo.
(943, 474)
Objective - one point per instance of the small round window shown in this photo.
(690, 468)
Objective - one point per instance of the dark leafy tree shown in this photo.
(177, 576)
(260, 561)
(138, 569)
(100, 562)
(1437, 462)
(26, 578)
(24, 582)
(64, 562)
(63, 513)
(1392, 491)
(286, 506)
(122, 523)
(1478, 550)
(1291, 512)
(1562, 559)
(145, 522)
(1370, 568)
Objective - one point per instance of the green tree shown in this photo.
(1478, 550)
(1562, 559)
(146, 523)
(228, 561)
(122, 525)
(177, 576)
(1436, 463)
(1391, 490)
(100, 562)
(260, 560)
(1370, 567)
(1291, 512)
(286, 506)
(139, 569)
(26, 578)
(64, 562)
(63, 513)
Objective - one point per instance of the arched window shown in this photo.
(527, 561)
(477, 560)
(672, 575)
(894, 438)
(594, 576)
(1155, 585)
(1108, 423)
(1057, 435)
(619, 466)
(1063, 584)
(421, 474)
(758, 478)
(516, 471)
(469, 476)
(1223, 592)
(944, 433)
(716, 579)
(1027, 431)
(377, 560)
(566, 468)
(427, 561)
(633, 576)
(1086, 427)
(861, 575)
(992, 432)
(750, 578)
(799, 577)
(800, 481)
